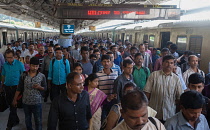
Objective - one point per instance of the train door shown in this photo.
(165, 36)
(136, 37)
(4, 34)
(145, 38)
(122, 37)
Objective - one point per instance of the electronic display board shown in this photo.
(67, 29)
(116, 11)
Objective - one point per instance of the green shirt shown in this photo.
(140, 76)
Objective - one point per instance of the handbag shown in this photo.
(3, 102)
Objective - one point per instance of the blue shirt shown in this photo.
(118, 60)
(58, 72)
(12, 72)
(178, 122)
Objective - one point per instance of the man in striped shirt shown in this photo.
(114, 67)
(106, 76)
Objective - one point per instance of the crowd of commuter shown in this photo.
(98, 84)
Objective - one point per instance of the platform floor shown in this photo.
(21, 126)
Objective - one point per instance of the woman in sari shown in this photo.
(97, 98)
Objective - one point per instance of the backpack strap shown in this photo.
(153, 122)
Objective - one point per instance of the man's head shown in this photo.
(127, 67)
(191, 104)
(9, 54)
(196, 82)
(168, 44)
(74, 83)
(130, 86)
(93, 57)
(168, 63)
(57, 46)
(50, 50)
(173, 48)
(142, 48)
(103, 51)
(113, 48)
(31, 47)
(193, 61)
(111, 54)
(138, 59)
(85, 52)
(34, 64)
(164, 52)
(134, 109)
(146, 44)
(106, 61)
(133, 51)
(58, 53)
(76, 45)
(121, 49)
(23, 45)
(41, 49)
(97, 53)
(65, 51)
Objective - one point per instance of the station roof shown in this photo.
(44, 10)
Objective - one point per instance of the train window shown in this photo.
(181, 43)
(145, 38)
(151, 40)
(195, 44)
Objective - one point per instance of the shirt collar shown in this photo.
(103, 70)
(79, 96)
(183, 121)
(166, 74)
(125, 79)
(12, 62)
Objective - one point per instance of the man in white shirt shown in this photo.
(31, 52)
(193, 62)
(135, 113)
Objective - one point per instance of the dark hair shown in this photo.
(168, 57)
(154, 49)
(105, 57)
(76, 43)
(173, 47)
(70, 77)
(90, 77)
(31, 44)
(192, 100)
(110, 52)
(113, 46)
(34, 61)
(129, 84)
(188, 53)
(77, 64)
(138, 54)
(65, 49)
(189, 58)
(145, 42)
(133, 100)
(196, 78)
(84, 48)
(127, 62)
(169, 43)
(133, 48)
(103, 49)
(141, 44)
(96, 50)
(57, 49)
(93, 55)
(94, 46)
(90, 49)
(9, 51)
(18, 51)
(164, 50)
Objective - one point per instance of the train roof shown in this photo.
(12, 26)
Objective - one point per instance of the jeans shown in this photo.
(55, 90)
(13, 117)
(36, 110)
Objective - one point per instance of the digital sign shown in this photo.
(114, 11)
(67, 29)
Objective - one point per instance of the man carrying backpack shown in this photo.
(31, 84)
(140, 73)
(58, 70)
